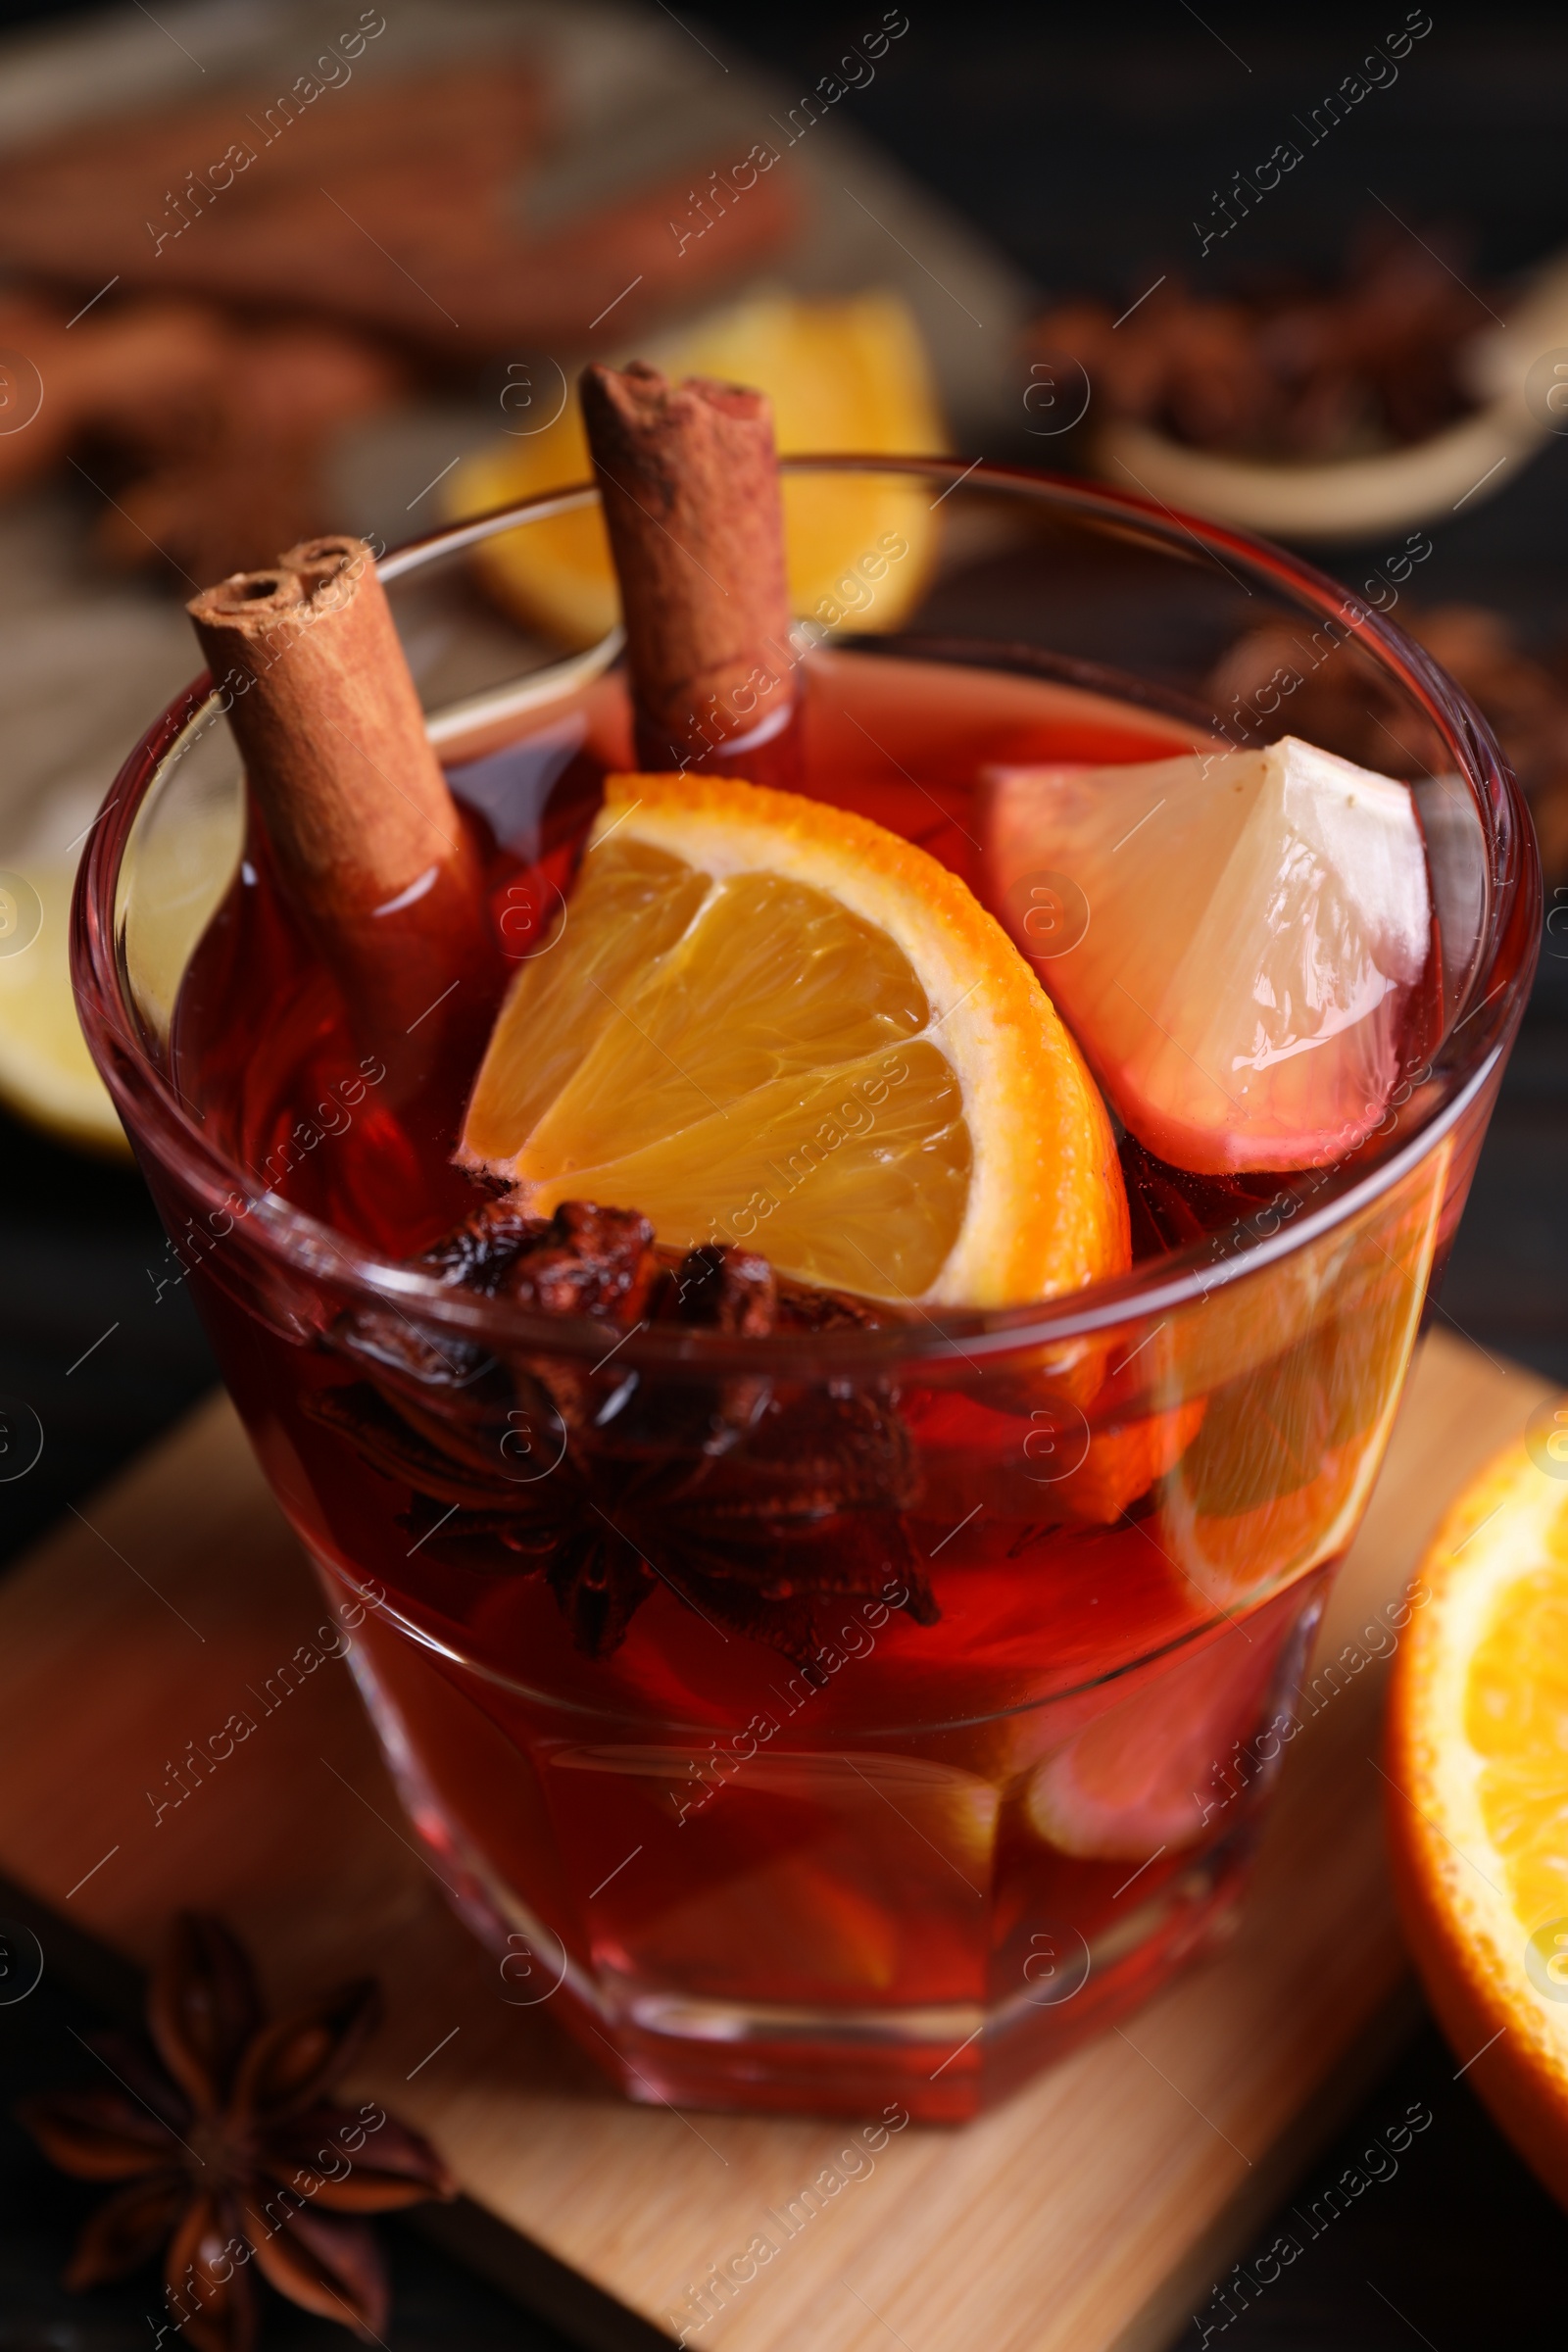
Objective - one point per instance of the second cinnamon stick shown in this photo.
(688, 475)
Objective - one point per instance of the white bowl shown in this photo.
(1352, 497)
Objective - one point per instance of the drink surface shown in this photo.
(1114, 1585)
(261, 1028)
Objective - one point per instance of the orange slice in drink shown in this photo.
(1478, 1821)
(771, 1022)
(1279, 1475)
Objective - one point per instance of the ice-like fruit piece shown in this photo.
(776, 1871)
(1249, 928)
(1138, 1778)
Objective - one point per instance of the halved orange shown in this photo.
(1478, 1827)
(768, 1021)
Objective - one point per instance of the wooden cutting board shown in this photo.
(1089, 2213)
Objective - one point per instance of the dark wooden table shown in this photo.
(1081, 143)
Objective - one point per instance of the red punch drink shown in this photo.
(824, 1692)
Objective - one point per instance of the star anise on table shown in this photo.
(229, 2153)
(757, 1500)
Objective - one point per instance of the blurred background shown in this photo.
(276, 267)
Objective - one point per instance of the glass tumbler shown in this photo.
(850, 1716)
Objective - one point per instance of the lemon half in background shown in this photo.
(46, 1072)
(178, 866)
(848, 375)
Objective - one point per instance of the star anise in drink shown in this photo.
(757, 1500)
(230, 2154)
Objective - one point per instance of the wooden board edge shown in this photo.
(93, 1971)
(535, 2278)
(1169, 2310)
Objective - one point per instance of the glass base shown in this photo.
(933, 2066)
(941, 2063)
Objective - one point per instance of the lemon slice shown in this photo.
(46, 1072)
(771, 1022)
(1476, 1828)
(841, 376)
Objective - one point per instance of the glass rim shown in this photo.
(159, 1121)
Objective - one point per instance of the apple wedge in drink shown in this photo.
(1234, 936)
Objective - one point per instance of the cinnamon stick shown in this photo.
(367, 838)
(689, 481)
(269, 204)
